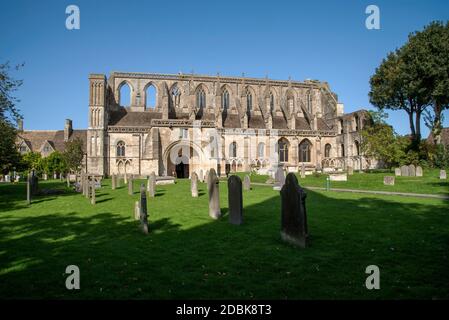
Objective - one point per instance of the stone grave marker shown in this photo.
(93, 197)
(419, 171)
(350, 170)
(206, 177)
(194, 185)
(214, 194)
(397, 172)
(143, 209)
(293, 213)
(130, 186)
(247, 182)
(303, 170)
(389, 180)
(137, 210)
(152, 185)
(113, 177)
(235, 200)
(443, 175)
(279, 179)
(411, 170)
(404, 171)
(201, 175)
(29, 189)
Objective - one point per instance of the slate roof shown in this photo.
(35, 139)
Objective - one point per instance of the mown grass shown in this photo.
(187, 255)
(430, 183)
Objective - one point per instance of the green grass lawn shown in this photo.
(187, 255)
(429, 183)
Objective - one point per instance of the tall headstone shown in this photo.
(206, 177)
(294, 216)
(389, 180)
(34, 183)
(68, 181)
(247, 183)
(443, 174)
(86, 187)
(152, 185)
(350, 170)
(118, 181)
(194, 185)
(397, 172)
(130, 186)
(137, 210)
(113, 179)
(93, 197)
(279, 179)
(303, 170)
(29, 189)
(404, 171)
(214, 194)
(201, 175)
(125, 178)
(235, 200)
(411, 170)
(143, 209)
(419, 171)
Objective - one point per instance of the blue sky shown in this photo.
(324, 40)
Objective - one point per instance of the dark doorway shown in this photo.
(182, 170)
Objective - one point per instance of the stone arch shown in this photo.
(305, 150)
(282, 149)
(145, 94)
(191, 153)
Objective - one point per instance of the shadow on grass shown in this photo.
(212, 259)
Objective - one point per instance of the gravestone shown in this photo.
(152, 185)
(338, 177)
(350, 170)
(68, 181)
(29, 189)
(404, 171)
(113, 182)
(214, 194)
(411, 170)
(389, 180)
(303, 171)
(419, 172)
(201, 175)
(137, 210)
(143, 209)
(397, 172)
(93, 198)
(279, 179)
(86, 187)
(125, 178)
(443, 174)
(34, 183)
(293, 215)
(206, 177)
(235, 200)
(45, 176)
(194, 185)
(247, 183)
(130, 186)
(118, 181)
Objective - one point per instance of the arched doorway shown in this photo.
(182, 159)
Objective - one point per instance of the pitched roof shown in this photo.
(35, 139)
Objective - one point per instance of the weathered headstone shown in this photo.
(152, 185)
(350, 170)
(338, 177)
(130, 186)
(143, 209)
(411, 170)
(235, 200)
(397, 172)
(294, 216)
(29, 189)
(443, 174)
(419, 171)
(137, 210)
(247, 182)
(404, 171)
(93, 197)
(118, 181)
(279, 179)
(194, 185)
(113, 178)
(303, 170)
(125, 178)
(201, 175)
(214, 194)
(389, 180)
(68, 181)
(206, 177)
(45, 176)
(86, 187)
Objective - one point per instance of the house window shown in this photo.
(225, 99)
(23, 149)
(305, 148)
(121, 149)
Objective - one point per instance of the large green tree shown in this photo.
(73, 155)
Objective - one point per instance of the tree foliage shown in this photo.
(9, 156)
(73, 154)
(55, 162)
(8, 86)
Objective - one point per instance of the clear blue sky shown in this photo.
(324, 40)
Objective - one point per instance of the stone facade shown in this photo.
(227, 123)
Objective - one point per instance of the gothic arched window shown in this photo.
(249, 101)
(261, 150)
(305, 148)
(282, 148)
(150, 97)
(233, 150)
(225, 99)
(121, 149)
(327, 150)
(357, 147)
(271, 102)
(201, 99)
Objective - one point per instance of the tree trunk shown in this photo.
(418, 127)
(412, 125)
(436, 128)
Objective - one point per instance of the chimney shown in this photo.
(67, 129)
(20, 125)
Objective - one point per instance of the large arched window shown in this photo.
(327, 150)
(356, 123)
(150, 97)
(290, 103)
(342, 150)
(175, 95)
(201, 99)
(357, 148)
(261, 150)
(282, 148)
(120, 149)
(233, 150)
(305, 148)
(249, 101)
(125, 95)
(225, 99)
(271, 102)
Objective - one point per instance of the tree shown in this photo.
(9, 155)
(33, 160)
(73, 155)
(55, 162)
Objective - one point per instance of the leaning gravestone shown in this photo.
(137, 210)
(404, 171)
(130, 186)
(443, 174)
(143, 209)
(294, 216)
(214, 194)
(303, 171)
(93, 198)
(152, 185)
(389, 180)
(279, 179)
(397, 172)
(194, 185)
(411, 170)
(419, 172)
(235, 200)
(113, 182)
(247, 183)
(350, 170)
